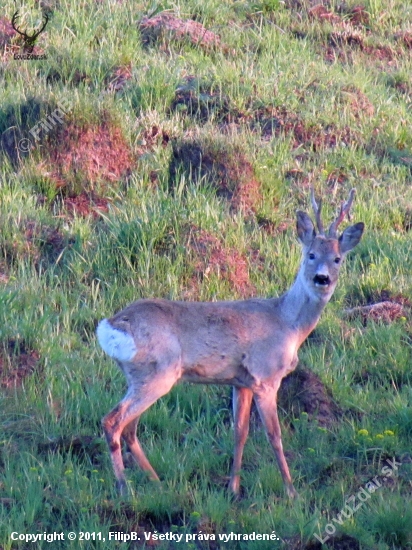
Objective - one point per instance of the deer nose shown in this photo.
(322, 271)
(322, 276)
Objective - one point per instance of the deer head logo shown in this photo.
(29, 39)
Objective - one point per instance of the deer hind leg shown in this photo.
(242, 401)
(129, 436)
(125, 417)
(266, 403)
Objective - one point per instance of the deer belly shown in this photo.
(219, 370)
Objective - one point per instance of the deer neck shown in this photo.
(301, 307)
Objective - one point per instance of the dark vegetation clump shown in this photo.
(84, 447)
(41, 244)
(279, 121)
(303, 391)
(17, 362)
(15, 123)
(202, 103)
(225, 169)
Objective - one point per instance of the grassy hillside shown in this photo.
(186, 135)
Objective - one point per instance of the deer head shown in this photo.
(324, 252)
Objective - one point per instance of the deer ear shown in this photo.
(305, 228)
(350, 237)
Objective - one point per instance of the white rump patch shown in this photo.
(115, 343)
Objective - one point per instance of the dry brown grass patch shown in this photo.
(390, 309)
(359, 103)
(320, 13)
(166, 26)
(85, 205)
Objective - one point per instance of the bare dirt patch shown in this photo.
(17, 362)
(358, 15)
(345, 15)
(166, 27)
(225, 169)
(88, 153)
(381, 53)
(210, 256)
(343, 44)
(303, 391)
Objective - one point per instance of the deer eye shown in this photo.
(337, 260)
(311, 256)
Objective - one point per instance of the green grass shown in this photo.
(61, 273)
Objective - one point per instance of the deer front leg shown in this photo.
(266, 402)
(242, 401)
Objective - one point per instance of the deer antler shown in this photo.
(317, 209)
(29, 39)
(13, 24)
(344, 211)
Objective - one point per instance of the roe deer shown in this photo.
(248, 344)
